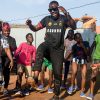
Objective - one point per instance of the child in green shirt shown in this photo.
(95, 65)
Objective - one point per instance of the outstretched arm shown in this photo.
(32, 27)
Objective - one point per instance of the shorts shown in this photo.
(79, 61)
(47, 64)
(24, 69)
(95, 64)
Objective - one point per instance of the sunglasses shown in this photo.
(53, 9)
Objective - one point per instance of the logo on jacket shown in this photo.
(60, 23)
(50, 24)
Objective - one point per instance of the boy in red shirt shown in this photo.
(25, 54)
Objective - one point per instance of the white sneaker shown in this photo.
(82, 94)
(18, 93)
(27, 93)
(50, 90)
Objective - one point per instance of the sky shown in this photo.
(18, 11)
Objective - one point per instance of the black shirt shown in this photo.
(55, 30)
(12, 45)
(78, 52)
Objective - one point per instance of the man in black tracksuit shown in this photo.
(56, 25)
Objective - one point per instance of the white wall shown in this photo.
(20, 33)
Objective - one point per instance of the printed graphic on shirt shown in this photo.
(60, 23)
(50, 24)
(55, 30)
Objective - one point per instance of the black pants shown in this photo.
(56, 56)
(67, 64)
(6, 70)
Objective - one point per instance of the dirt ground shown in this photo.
(34, 95)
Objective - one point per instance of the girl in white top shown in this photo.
(68, 43)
